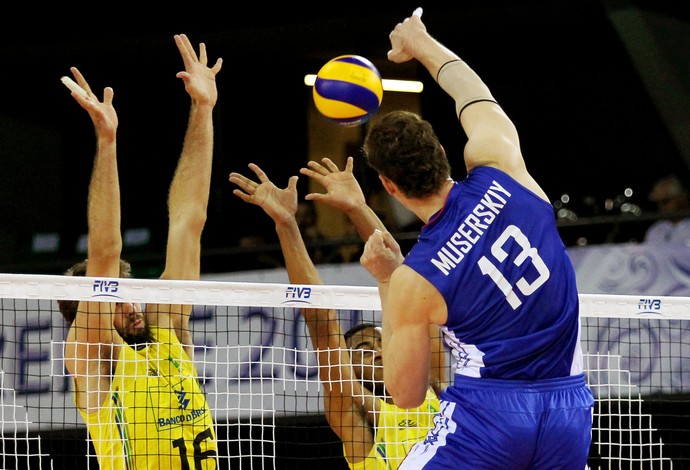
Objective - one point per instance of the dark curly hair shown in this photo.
(68, 308)
(404, 148)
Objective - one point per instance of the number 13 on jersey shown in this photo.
(490, 269)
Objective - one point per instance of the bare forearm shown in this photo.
(300, 267)
(191, 183)
(365, 221)
(103, 207)
(324, 327)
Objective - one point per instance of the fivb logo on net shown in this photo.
(297, 295)
(649, 306)
(106, 288)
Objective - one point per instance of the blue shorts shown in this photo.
(498, 424)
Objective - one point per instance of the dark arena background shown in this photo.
(599, 91)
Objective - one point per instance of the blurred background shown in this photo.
(599, 91)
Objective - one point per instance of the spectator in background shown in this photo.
(671, 199)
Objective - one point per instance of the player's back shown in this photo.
(495, 255)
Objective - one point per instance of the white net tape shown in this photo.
(259, 371)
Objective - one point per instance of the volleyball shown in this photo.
(348, 90)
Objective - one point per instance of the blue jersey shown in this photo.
(495, 255)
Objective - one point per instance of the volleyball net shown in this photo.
(260, 374)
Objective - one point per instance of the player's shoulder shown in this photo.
(417, 296)
(405, 274)
(514, 179)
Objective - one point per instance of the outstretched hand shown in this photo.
(342, 189)
(199, 80)
(279, 204)
(103, 113)
(401, 37)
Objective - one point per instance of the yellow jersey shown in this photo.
(156, 416)
(396, 431)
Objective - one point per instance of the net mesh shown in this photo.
(260, 374)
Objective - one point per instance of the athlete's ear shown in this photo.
(388, 185)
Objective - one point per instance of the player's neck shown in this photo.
(425, 208)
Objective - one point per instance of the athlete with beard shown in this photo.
(123, 359)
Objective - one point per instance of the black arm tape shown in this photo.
(473, 102)
(441, 67)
